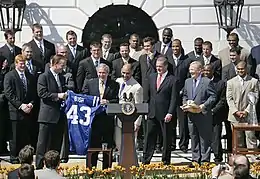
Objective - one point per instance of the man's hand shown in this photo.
(168, 118)
(25, 108)
(136, 128)
(5, 64)
(183, 107)
(239, 114)
(104, 101)
(30, 105)
(244, 114)
(62, 95)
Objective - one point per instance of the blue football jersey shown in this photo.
(80, 110)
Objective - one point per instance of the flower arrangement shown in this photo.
(151, 171)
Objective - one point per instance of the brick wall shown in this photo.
(187, 18)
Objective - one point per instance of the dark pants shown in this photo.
(20, 136)
(229, 136)
(64, 153)
(5, 129)
(183, 129)
(102, 131)
(200, 128)
(154, 126)
(216, 141)
(50, 138)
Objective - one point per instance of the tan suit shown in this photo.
(132, 86)
(223, 55)
(237, 101)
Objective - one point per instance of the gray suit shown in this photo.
(200, 124)
(47, 174)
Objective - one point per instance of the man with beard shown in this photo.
(197, 52)
(164, 47)
(135, 48)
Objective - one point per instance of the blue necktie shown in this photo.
(122, 88)
(24, 82)
(29, 67)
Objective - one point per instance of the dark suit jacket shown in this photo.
(220, 108)
(91, 87)
(229, 72)
(49, 51)
(15, 94)
(5, 52)
(119, 63)
(147, 70)
(112, 55)
(158, 47)
(48, 90)
(13, 174)
(216, 65)
(163, 100)
(73, 63)
(87, 70)
(192, 56)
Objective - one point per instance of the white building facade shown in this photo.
(187, 18)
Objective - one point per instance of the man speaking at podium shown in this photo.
(128, 87)
(162, 95)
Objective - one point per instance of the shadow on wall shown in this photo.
(35, 14)
(249, 32)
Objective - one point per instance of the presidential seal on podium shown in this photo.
(128, 108)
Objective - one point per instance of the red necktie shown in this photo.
(159, 80)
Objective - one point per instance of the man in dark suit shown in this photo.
(219, 112)
(87, 67)
(76, 53)
(125, 59)
(208, 58)
(4, 117)
(199, 91)
(181, 65)
(51, 90)
(164, 46)
(102, 130)
(19, 89)
(147, 63)
(108, 53)
(162, 95)
(42, 49)
(197, 52)
(10, 50)
(254, 56)
(25, 156)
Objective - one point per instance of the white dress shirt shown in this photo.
(176, 59)
(207, 59)
(166, 47)
(73, 49)
(56, 76)
(163, 77)
(40, 44)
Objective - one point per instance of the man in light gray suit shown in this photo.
(52, 162)
(199, 92)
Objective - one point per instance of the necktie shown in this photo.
(105, 54)
(74, 51)
(164, 47)
(148, 61)
(29, 67)
(96, 63)
(194, 86)
(101, 89)
(122, 88)
(24, 82)
(41, 49)
(159, 80)
(58, 82)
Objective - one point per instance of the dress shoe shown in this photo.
(64, 160)
(173, 147)
(166, 163)
(158, 150)
(192, 164)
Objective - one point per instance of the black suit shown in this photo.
(119, 63)
(51, 118)
(73, 62)
(167, 53)
(112, 55)
(103, 124)
(229, 71)
(181, 72)
(87, 70)
(16, 96)
(215, 63)
(161, 102)
(220, 112)
(42, 59)
(7, 54)
(192, 56)
(4, 117)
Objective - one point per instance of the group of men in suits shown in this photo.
(160, 74)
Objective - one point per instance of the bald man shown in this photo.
(128, 85)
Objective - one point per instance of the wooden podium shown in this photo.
(128, 155)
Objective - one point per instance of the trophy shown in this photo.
(252, 99)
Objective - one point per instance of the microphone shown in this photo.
(124, 96)
(131, 97)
